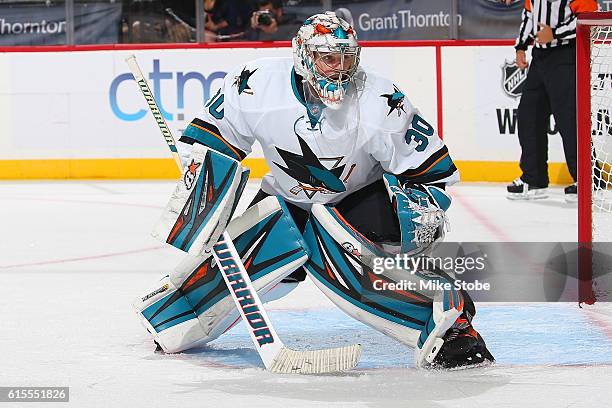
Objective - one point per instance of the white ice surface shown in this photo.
(74, 254)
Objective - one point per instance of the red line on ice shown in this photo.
(83, 258)
(484, 220)
(601, 320)
(63, 200)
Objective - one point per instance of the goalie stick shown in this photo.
(275, 355)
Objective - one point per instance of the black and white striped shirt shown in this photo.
(560, 15)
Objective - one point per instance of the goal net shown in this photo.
(594, 116)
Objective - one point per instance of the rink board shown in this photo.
(82, 116)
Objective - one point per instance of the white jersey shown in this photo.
(316, 154)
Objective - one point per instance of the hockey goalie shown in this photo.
(356, 174)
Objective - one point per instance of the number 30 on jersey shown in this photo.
(419, 131)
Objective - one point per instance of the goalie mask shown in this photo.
(326, 54)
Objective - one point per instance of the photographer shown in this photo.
(266, 17)
(269, 23)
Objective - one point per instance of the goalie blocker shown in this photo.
(203, 202)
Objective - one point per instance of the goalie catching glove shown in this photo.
(420, 211)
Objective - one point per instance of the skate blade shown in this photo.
(526, 197)
(486, 363)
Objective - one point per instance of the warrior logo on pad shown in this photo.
(190, 174)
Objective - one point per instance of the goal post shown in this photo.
(594, 112)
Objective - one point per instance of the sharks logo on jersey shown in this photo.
(242, 81)
(395, 101)
(312, 176)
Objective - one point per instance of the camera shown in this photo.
(264, 17)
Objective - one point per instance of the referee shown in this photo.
(550, 87)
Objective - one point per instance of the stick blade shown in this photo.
(316, 361)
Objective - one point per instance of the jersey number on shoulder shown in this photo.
(214, 104)
(419, 132)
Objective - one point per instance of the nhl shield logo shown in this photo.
(315, 109)
(513, 79)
